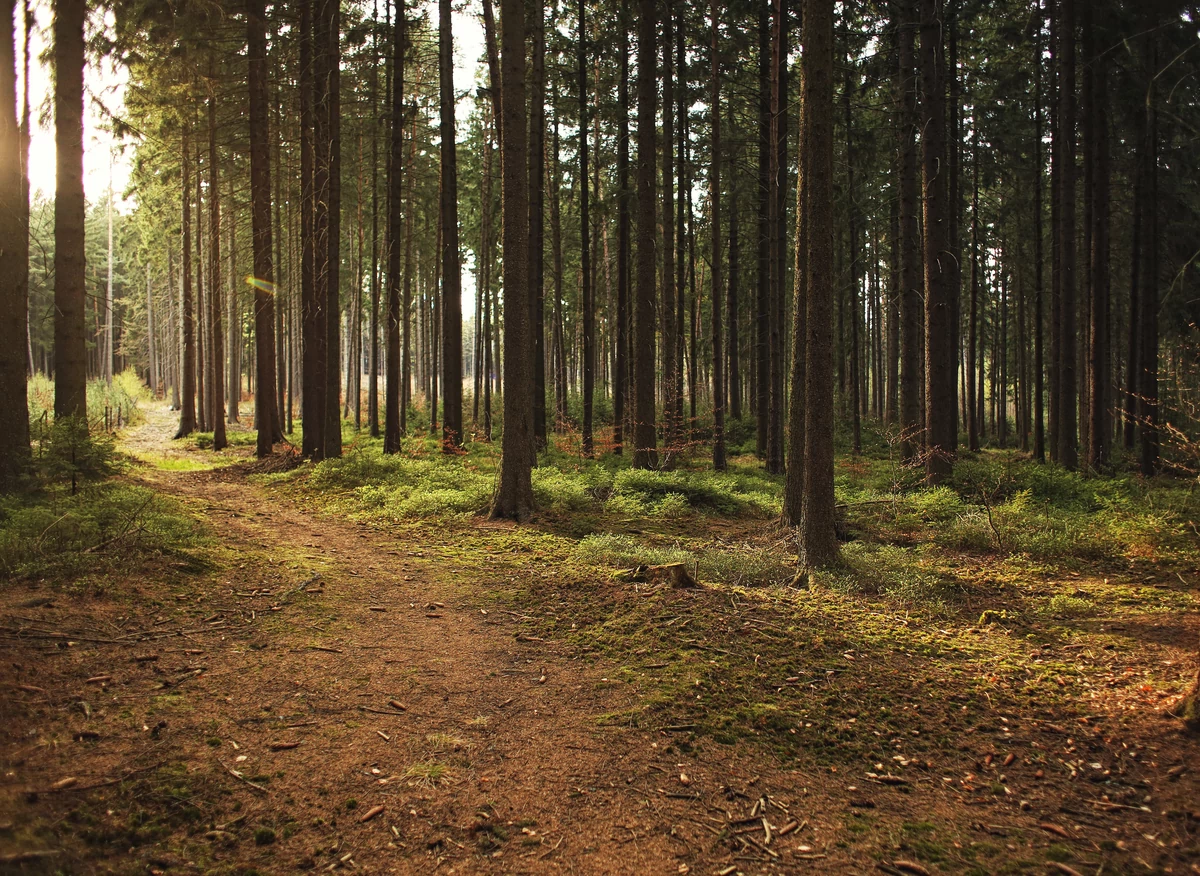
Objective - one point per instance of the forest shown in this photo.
(600, 437)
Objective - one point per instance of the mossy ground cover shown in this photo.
(995, 655)
(1010, 611)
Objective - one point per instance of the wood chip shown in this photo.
(98, 679)
(30, 688)
(384, 736)
(61, 784)
(146, 658)
(1008, 761)
(396, 704)
(283, 746)
(323, 648)
(370, 813)
(790, 827)
(910, 867)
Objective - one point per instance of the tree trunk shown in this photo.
(715, 234)
(560, 366)
(327, 142)
(644, 438)
(587, 297)
(1100, 429)
(620, 386)
(940, 354)
(537, 187)
(762, 323)
(855, 266)
(395, 410)
(777, 245)
(1065, 423)
(14, 265)
(313, 338)
(266, 414)
(514, 497)
(451, 298)
(70, 348)
(1148, 295)
(216, 383)
(187, 315)
(973, 323)
(911, 316)
(818, 541)
(1039, 309)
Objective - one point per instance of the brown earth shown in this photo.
(332, 696)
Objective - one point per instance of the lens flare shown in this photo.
(265, 285)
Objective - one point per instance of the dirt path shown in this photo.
(305, 693)
(318, 630)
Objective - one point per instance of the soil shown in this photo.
(326, 695)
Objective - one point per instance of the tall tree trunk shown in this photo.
(266, 415)
(644, 438)
(1100, 429)
(587, 297)
(911, 316)
(778, 242)
(70, 348)
(537, 188)
(152, 351)
(793, 489)
(395, 409)
(714, 176)
(560, 366)
(733, 376)
(1065, 425)
(1148, 296)
(187, 407)
(940, 353)
(818, 541)
(451, 299)
(762, 323)
(202, 340)
(1039, 309)
(514, 497)
(855, 266)
(14, 265)
(313, 337)
(329, 198)
(973, 323)
(620, 385)
(667, 304)
(373, 348)
(216, 369)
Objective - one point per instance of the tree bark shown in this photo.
(621, 368)
(313, 337)
(818, 540)
(644, 438)
(395, 409)
(451, 298)
(719, 463)
(14, 265)
(514, 497)
(216, 382)
(940, 353)
(70, 348)
(266, 415)
(911, 316)
(1065, 424)
(587, 296)
(1100, 430)
(537, 188)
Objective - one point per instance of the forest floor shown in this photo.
(256, 672)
